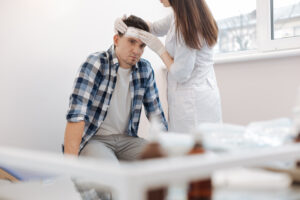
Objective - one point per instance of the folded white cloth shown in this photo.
(251, 179)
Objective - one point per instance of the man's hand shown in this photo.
(152, 42)
(120, 26)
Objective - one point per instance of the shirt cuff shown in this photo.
(76, 118)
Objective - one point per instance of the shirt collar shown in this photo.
(114, 59)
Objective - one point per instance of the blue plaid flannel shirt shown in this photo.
(93, 90)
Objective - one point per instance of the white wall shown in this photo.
(42, 44)
(258, 90)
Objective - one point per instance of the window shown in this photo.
(256, 25)
(285, 18)
(237, 24)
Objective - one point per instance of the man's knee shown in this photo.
(98, 150)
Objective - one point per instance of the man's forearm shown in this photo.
(73, 135)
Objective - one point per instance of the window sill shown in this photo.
(254, 56)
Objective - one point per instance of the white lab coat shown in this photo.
(193, 94)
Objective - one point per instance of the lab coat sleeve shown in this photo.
(161, 27)
(184, 62)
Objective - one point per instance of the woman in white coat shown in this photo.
(191, 32)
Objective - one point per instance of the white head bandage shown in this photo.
(132, 32)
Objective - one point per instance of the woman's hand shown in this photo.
(120, 26)
(157, 46)
(152, 42)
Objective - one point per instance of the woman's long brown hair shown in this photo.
(194, 20)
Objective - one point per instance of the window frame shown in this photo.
(264, 30)
(265, 43)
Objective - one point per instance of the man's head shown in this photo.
(128, 48)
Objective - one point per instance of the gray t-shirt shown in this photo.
(117, 118)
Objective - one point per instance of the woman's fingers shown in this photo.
(144, 36)
(120, 26)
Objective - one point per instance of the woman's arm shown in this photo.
(158, 28)
(161, 27)
(183, 63)
(167, 60)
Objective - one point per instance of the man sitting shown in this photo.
(106, 103)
